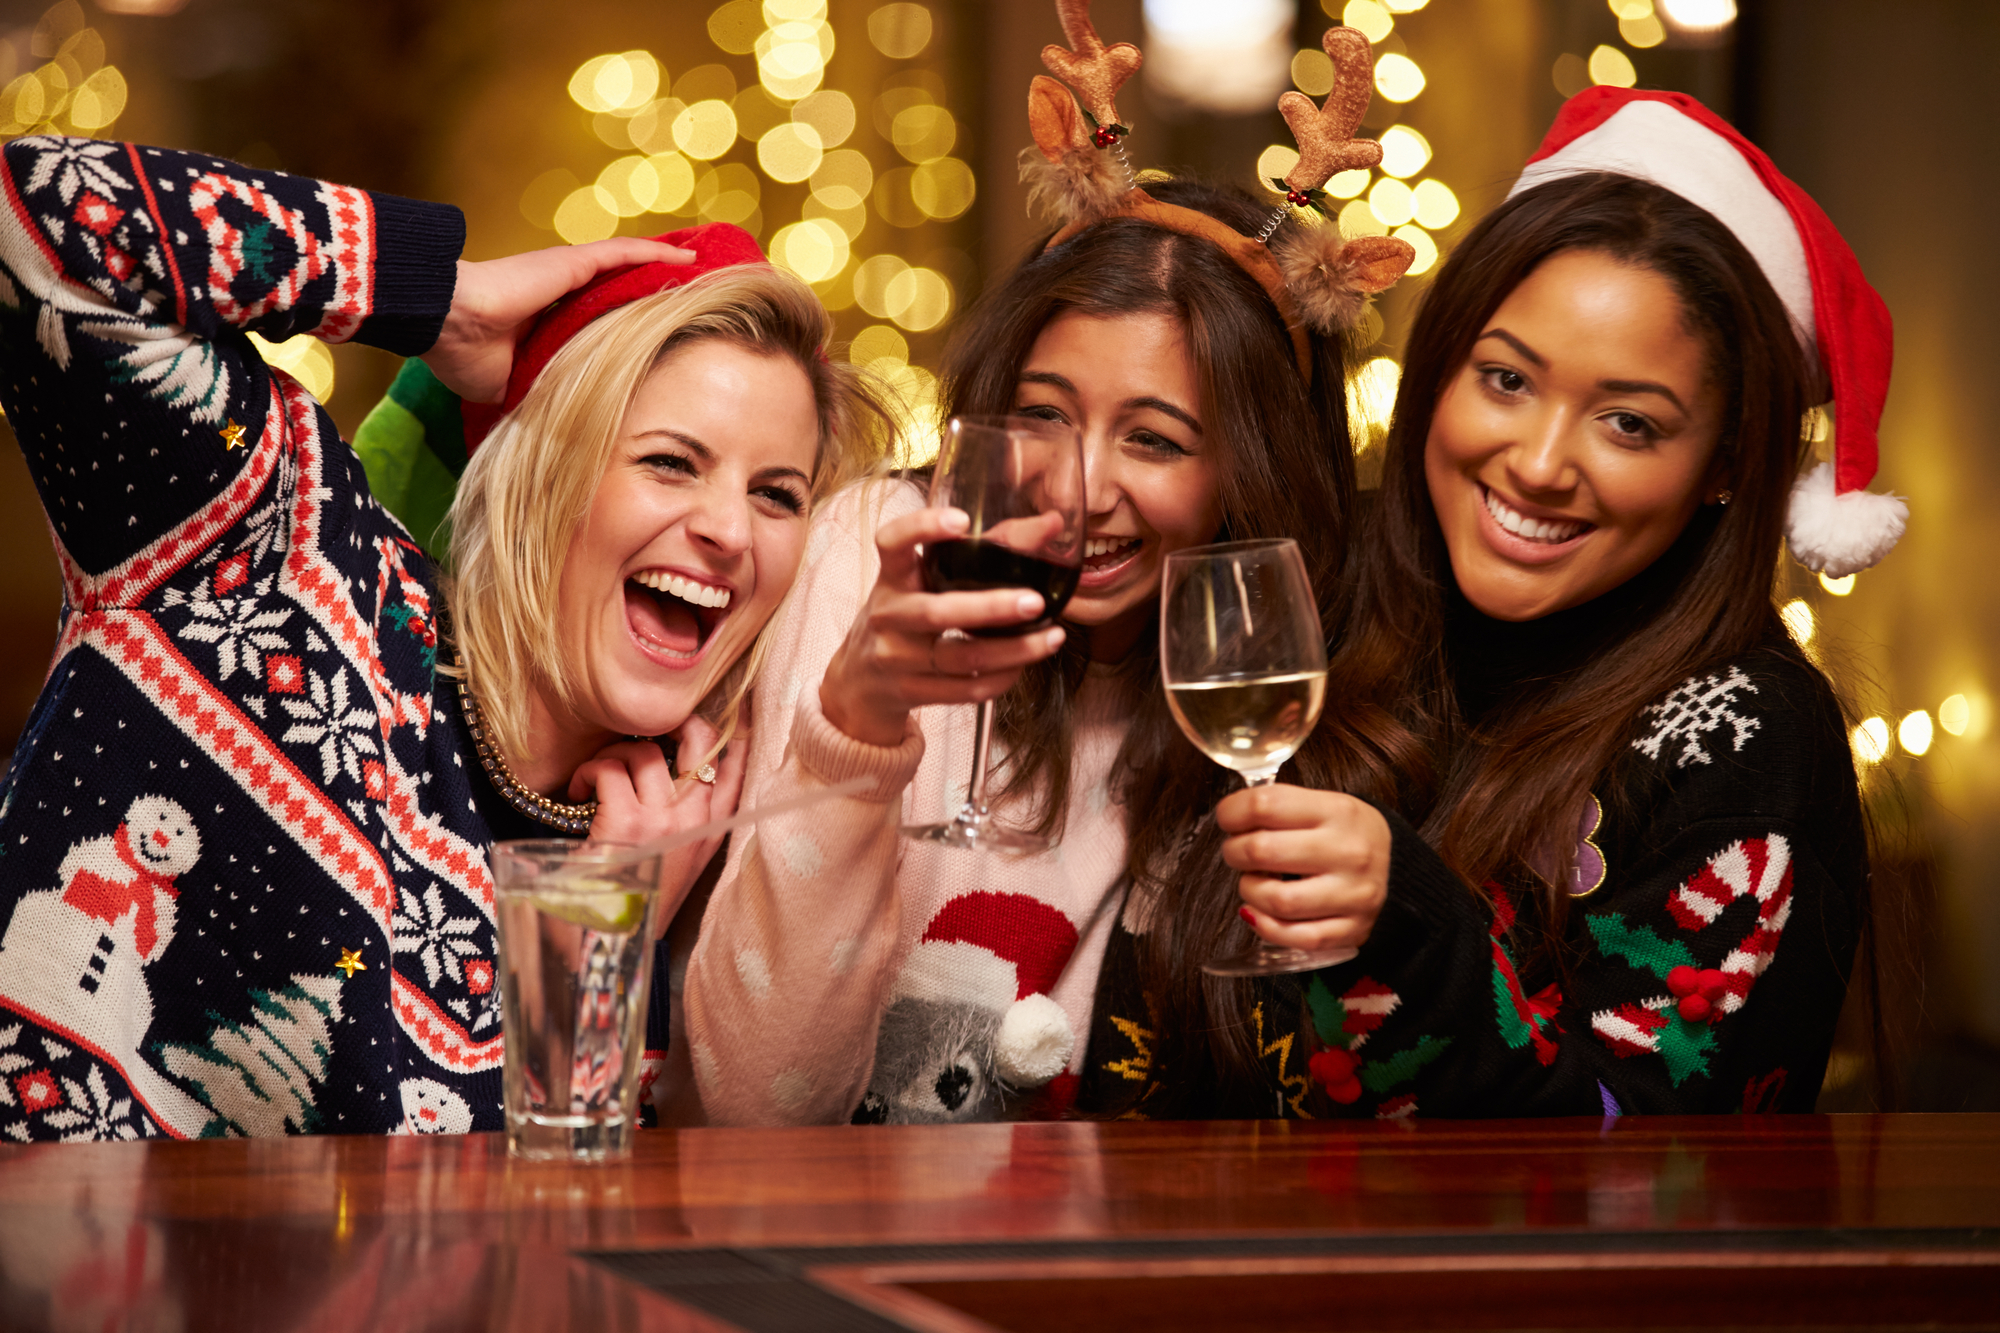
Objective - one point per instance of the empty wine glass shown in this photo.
(1020, 482)
(1244, 662)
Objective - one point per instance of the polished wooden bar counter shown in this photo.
(1759, 1222)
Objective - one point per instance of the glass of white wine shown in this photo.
(1244, 661)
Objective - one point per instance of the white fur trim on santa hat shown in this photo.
(1655, 142)
(1841, 534)
(952, 970)
(1034, 1042)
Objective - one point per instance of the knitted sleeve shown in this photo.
(1711, 938)
(129, 277)
(788, 981)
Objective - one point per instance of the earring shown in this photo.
(1724, 497)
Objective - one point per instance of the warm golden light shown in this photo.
(99, 101)
(830, 113)
(1435, 204)
(1405, 6)
(1370, 17)
(629, 185)
(790, 153)
(1420, 241)
(1642, 32)
(736, 26)
(729, 193)
(1871, 741)
(1275, 162)
(918, 298)
(1404, 151)
(1398, 78)
(942, 189)
(1953, 714)
(878, 342)
(814, 249)
(585, 215)
(1571, 74)
(1839, 587)
(843, 179)
(923, 133)
(545, 194)
(894, 203)
(705, 130)
(1392, 202)
(1914, 734)
(1358, 219)
(792, 56)
(871, 283)
(1371, 397)
(1798, 618)
(1347, 184)
(673, 177)
(900, 32)
(616, 83)
(1631, 9)
(1699, 15)
(1312, 73)
(1612, 67)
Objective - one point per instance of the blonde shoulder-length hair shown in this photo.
(530, 485)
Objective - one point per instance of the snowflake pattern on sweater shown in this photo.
(242, 872)
(1711, 958)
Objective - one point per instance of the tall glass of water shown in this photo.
(576, 960)
(1244, 662)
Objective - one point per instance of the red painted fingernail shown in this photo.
(1247, 915)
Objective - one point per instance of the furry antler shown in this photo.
(1095, 70)
(1331, 279)
(1326, 133)
(1077, 183)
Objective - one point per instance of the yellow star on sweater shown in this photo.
(232, 437)
(350, 962)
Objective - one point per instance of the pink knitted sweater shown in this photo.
(845, 972)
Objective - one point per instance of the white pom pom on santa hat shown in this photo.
(1834, 524)
(1035, 1042)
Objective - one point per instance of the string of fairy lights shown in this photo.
(699, 145)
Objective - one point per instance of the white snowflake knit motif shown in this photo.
(1698, 705)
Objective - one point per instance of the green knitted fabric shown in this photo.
(412, 445)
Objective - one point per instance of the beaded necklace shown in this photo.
(571, 819)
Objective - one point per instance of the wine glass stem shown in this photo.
(975, 790)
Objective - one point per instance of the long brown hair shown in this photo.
(1287, 471)
(1496, 795)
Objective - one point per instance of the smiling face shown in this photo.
(693, 537)
(1569, 451)
(1126, 382)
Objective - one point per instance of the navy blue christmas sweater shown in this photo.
(243, 877)
(1720, 883)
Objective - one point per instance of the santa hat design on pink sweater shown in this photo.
(1002, 952)
(1835, 524)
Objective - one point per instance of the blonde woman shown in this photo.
(244, 883)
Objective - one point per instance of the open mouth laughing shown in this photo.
(1105, 557)
(673, 616)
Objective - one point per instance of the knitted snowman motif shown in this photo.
(73, 957)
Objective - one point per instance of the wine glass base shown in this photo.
(1268, 960)
(977, 836)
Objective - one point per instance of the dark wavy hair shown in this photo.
(1500, 799)
(1287, 470)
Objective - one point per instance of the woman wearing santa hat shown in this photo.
(245, 887)
(1604, 849)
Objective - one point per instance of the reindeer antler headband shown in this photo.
(1317, 280)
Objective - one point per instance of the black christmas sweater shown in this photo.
(243, 877)
(1716, 907)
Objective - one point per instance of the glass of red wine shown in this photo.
(1020, 482)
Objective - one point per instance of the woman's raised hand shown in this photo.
(1335, 849)
(898, 654)
(638, 800)
(494, 298)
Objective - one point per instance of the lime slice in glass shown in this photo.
(594, 905)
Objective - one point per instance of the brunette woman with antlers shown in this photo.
(844, 973)
(1603, 850)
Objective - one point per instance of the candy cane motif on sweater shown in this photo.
(1755, 866)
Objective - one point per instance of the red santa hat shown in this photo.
(715, 245)
(1002, 951)
(1834, 524)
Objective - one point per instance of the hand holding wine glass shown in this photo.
(1244, 662)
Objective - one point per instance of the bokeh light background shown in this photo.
(871, 147)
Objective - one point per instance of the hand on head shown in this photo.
(1337, 847)
(475, 350)
(639, 799)
(897, 656)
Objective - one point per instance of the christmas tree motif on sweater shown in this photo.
(970, 1015)
(261, 1078)
(1344, 1023)
(1678, 1026)
(73, 957)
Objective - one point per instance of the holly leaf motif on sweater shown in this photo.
(1685, 1047)
(1328, 1013)
(1380, 1076)
(1640, 946)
